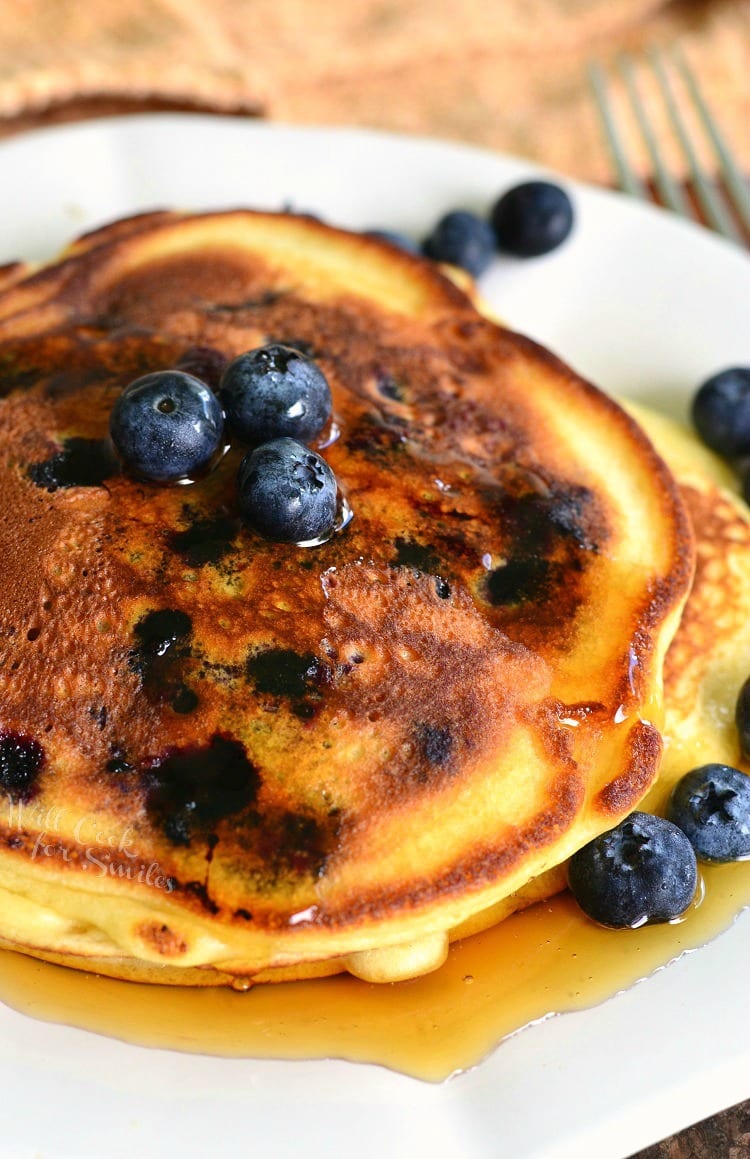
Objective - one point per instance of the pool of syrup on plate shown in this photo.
(547, 960)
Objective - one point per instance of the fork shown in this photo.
(723, 205)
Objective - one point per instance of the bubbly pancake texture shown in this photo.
(225, 759)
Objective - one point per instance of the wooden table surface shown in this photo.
(508, 75)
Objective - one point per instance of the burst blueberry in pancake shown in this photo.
(224, 758)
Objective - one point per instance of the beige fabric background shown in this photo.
(509, 74)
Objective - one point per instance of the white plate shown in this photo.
(642, 304)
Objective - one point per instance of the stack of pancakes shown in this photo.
(224, 759)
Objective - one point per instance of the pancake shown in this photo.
(229, 760)
(707, 663)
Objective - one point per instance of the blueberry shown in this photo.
(287, 492)
(721, 412)
(166, 426)
(462, 239)
(275, 391)
(393, 237)
(711, 805)
(742, 718)
(21, 760)
(644, 870)
(532, 219)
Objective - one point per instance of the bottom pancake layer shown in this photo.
(91, 951)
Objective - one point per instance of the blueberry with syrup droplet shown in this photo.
(166, 426)
(721, 412)
(287, 492)
(711, 805)
(532, 219)
(273, 392)
(643, 870)
(462, 239)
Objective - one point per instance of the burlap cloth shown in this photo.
(508, 74)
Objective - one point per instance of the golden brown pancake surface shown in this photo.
(218, 751)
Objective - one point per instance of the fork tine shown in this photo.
(627, 178)
(670, 192)
(732, 176)
(715, 211)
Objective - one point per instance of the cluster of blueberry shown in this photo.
(527, 221)
(170, 426)
(645, 869)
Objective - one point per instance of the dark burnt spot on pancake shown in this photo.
(16, 372)
(537, 521)
(207, 539)
(226, 675)
(435, 743)
(198, 890)
(374, 439)
(304, 710)
(191, 789)
(74, 379)
(47, 362)
(158, 632)
(285, 674)
(520, 581)
(21, 761)
(160, 658)
(389, 387)
(550, 531)
(203, 362)
(243, 914)
(419, 556)
(87, 359)
(118, 763)
(571, 512)
(442, 589)
(184, 701)
(104, 322)
(303, 844)
(294, 844)
(80, 463)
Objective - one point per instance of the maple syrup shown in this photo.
(546, 960)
